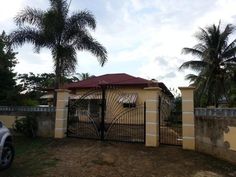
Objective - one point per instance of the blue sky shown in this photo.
(143, 38)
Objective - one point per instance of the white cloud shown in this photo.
(149, 34)
(9, 8)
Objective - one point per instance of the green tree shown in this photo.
(62, 34)
(39, 82)
(36, 82)
(215, 65)
(33, 86)
(8, 88)
(83, 76)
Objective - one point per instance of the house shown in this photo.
(120, 80)
(126, 89)
(130, 86)
(111, 107)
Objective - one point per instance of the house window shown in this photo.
(90, 107)
(128, 100)
(94, 108)
(129, 105)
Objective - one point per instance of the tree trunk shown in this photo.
(57, 81)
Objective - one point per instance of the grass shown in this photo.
(32, 157)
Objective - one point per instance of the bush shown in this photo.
(29, 102)
(27, 125)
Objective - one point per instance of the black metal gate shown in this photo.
(107, 113)
(170, 123)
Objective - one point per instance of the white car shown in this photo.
(6, 147)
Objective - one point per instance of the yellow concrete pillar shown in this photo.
(61, 113)
(188, 117)
(152, 116)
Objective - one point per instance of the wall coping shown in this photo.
(26, 109)
(187, 88)
(152, 88)
(62, 90)
(215, 112)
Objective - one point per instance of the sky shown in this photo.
(144, 38)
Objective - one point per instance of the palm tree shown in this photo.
(217, 61)
(62, 34)
(84, 76)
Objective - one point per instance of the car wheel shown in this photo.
(7, 156)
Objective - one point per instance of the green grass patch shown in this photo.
(32, 157)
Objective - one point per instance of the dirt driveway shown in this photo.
(89, 158)
(84, 158)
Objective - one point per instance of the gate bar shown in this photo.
(144, 116)
(103, 111)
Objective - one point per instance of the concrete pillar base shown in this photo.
(61, 113)
(188, 117)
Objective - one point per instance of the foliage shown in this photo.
(84, 76)
(8, 88)
(232, 94)
(62, 34)
(29, 101)
(177, 104)
(33, 86)
(216, 65)
(36, 82)
(27, 125)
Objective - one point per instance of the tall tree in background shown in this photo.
(35, 82)
(33, 86)
(62, 34)
(8, 88)
(83, 76)
(38, 82)
(215, 67)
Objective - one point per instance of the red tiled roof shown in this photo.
(120, 79)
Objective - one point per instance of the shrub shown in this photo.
(29, 102)
(27, 125)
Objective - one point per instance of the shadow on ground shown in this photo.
(87, 158)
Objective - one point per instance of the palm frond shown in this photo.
(64, 59)
(62, 34)
(191, 77)
(82, 19)
(59, 6)
(230, 60)
(27, 34)
(203, 36)
(229, 29)
(194, 64)
(90, 44)
(193, 51)
(231, 53)
(69, 61)
(29, 15)
(230, 50)
(229, 46)
(223, 38)
(200, 47)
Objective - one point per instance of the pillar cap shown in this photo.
(152, 88)
(62, 90)
(187, 88)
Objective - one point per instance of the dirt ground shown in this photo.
(88, 158)
(44, 157)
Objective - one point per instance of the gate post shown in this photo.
(152, 116)
(188, 117)
(61, 113)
